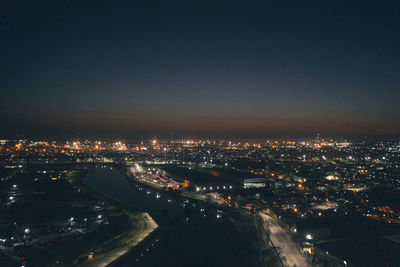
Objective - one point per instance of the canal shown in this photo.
(191, 233)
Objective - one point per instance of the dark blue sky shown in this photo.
(200, 68)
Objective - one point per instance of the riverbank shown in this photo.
(269, 255)
(191, 233)
(141, 226)
(237, 211)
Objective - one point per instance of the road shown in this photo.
(142, 226)
(281, 238)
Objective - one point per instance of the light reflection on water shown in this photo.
(190, 234)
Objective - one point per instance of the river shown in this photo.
(190, 233)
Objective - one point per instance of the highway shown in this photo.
(281, 238)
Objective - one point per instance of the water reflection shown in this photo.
(191, 233)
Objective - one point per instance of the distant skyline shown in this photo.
(206, 68)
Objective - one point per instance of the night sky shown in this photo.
(199, 68)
